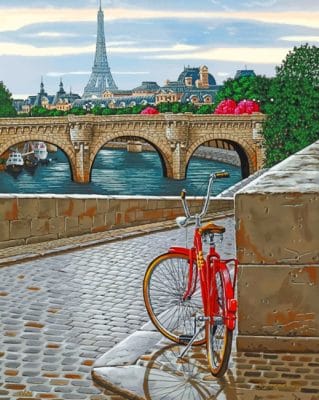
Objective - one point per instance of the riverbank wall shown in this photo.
(26, 219)
(209, 153)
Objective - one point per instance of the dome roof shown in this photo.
(194, 74)
(147, 86)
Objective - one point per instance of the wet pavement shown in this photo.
(61, 313)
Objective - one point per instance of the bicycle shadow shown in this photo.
(170, 378)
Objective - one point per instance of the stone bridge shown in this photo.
(174, 136)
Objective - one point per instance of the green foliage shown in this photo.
(176, 107)
(293, 118)
(138, 108)
(109, 111)
(6, 104)
(247, 87)
(39, 111)
(205, 109)
(56, 113)
(77, 111)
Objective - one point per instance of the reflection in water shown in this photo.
(169, 378)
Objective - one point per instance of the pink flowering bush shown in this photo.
(231, 107)
(226, 107)
(150, 110)
(247, 107)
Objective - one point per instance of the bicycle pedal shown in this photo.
(185, 338)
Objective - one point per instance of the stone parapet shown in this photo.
(277, 219)
(28, 219)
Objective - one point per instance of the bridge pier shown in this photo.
(81, 169)
(178, 161)
(81, 135)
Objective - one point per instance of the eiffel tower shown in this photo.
(100, 71)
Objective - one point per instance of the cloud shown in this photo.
(240, 54)
(52, 34)
(222, 74)
(14, 49)
(176, 47)
(15, 18)
(55, 74)
(300, 38)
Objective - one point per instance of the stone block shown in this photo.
(114, 205)
(277, 228)
(12, 243)
(98, 220)
(40, 226)
(85, 224)
(278, 300)
(42, 238)
(56, 225)
(20, 229)
(90, 207)
(71, 225)
(8, 209)
(4, 230)
(102, 205)
(70, 207)
(28, 208)
(47, 208)
(109, 219)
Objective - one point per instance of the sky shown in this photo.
(147, 40)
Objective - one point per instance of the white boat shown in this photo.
(14, 162)
(40, 151)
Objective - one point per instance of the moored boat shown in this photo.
(40, 151)
(14, 162)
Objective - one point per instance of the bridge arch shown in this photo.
(245, 152)
(67, 149)
(162, 150)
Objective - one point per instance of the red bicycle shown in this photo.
(191, 298)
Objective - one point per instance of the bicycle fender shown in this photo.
(180, 250)
(231, 302)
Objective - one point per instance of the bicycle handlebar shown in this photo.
(216, 175)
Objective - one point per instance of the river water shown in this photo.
(118, 172)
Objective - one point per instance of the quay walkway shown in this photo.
(74, 306)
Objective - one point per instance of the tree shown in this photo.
(39, 111)
(6, 103)
(246, 88)
(205, 109)
(293, 119)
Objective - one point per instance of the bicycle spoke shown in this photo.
(164, 290)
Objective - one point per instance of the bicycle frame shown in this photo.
(207, 269)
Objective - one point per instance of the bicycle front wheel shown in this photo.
(218, 336)
(165, 284)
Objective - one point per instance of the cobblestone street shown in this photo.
(59, 313)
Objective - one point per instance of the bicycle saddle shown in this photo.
(210, 227)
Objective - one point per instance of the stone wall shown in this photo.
(28, 219)
(277, 230)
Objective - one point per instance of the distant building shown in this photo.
(194, 84)
(244, 72)
(60, 101)
(63, 101)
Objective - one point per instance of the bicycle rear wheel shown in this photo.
(165, 283)
(218, 336)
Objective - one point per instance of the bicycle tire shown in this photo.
(218, 336)
(164, 285)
